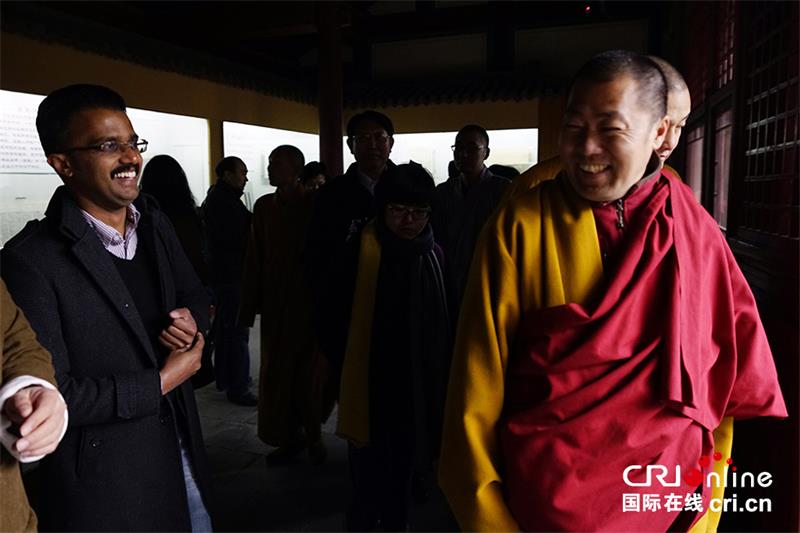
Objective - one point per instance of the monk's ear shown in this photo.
(661, 128)
(61, 164)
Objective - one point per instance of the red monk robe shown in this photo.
(634, 367)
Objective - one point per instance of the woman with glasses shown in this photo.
(395, 368)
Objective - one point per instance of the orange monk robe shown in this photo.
(275, 286)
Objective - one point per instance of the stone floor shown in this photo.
(295, 497)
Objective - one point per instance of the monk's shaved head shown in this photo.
(675, 81)
(294, 154)
(679, 105)
(615, 64)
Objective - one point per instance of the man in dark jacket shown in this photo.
(341, 207)
(463, 204)
(228, 227)
(106, 286)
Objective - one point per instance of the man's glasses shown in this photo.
(365, 138)
(466, 148)
(113, 146)
(401, 211)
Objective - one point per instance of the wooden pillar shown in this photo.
(216, 149)
(329, 99)
(551, 111)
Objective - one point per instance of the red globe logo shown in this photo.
(693, 477)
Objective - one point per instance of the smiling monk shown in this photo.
(605, 324)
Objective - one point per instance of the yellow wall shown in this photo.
(551, 110)
(32, 66)
(451, 117)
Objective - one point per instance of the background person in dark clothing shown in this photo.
(276, 288)
(341, 208)
(504, 171)
(452, 170)
(462, 204)
(314, 176)
(228, 228)
(163, 178)
(398, 346)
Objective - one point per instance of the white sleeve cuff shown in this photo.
(8, 390)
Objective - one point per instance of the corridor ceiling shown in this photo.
(276, 43)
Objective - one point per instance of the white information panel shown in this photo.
(515, 148)
(184, 138)
(26, 180)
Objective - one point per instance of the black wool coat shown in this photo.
(118, 467)
(341, 208)
(227, 223)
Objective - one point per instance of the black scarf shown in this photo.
(410, 344)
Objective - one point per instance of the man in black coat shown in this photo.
(341, 207)
(228, 229)
(110, 293)
(462, 205)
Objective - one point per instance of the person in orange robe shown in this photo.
(274, 286)
(608, 327)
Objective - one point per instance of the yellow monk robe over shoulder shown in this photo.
(353, 418)
(547, 229)
(544, 170)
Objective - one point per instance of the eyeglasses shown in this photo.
(364, 138)
(467, 148)
(113, 146)
(401, 211)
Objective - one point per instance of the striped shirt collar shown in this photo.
(121, 246)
